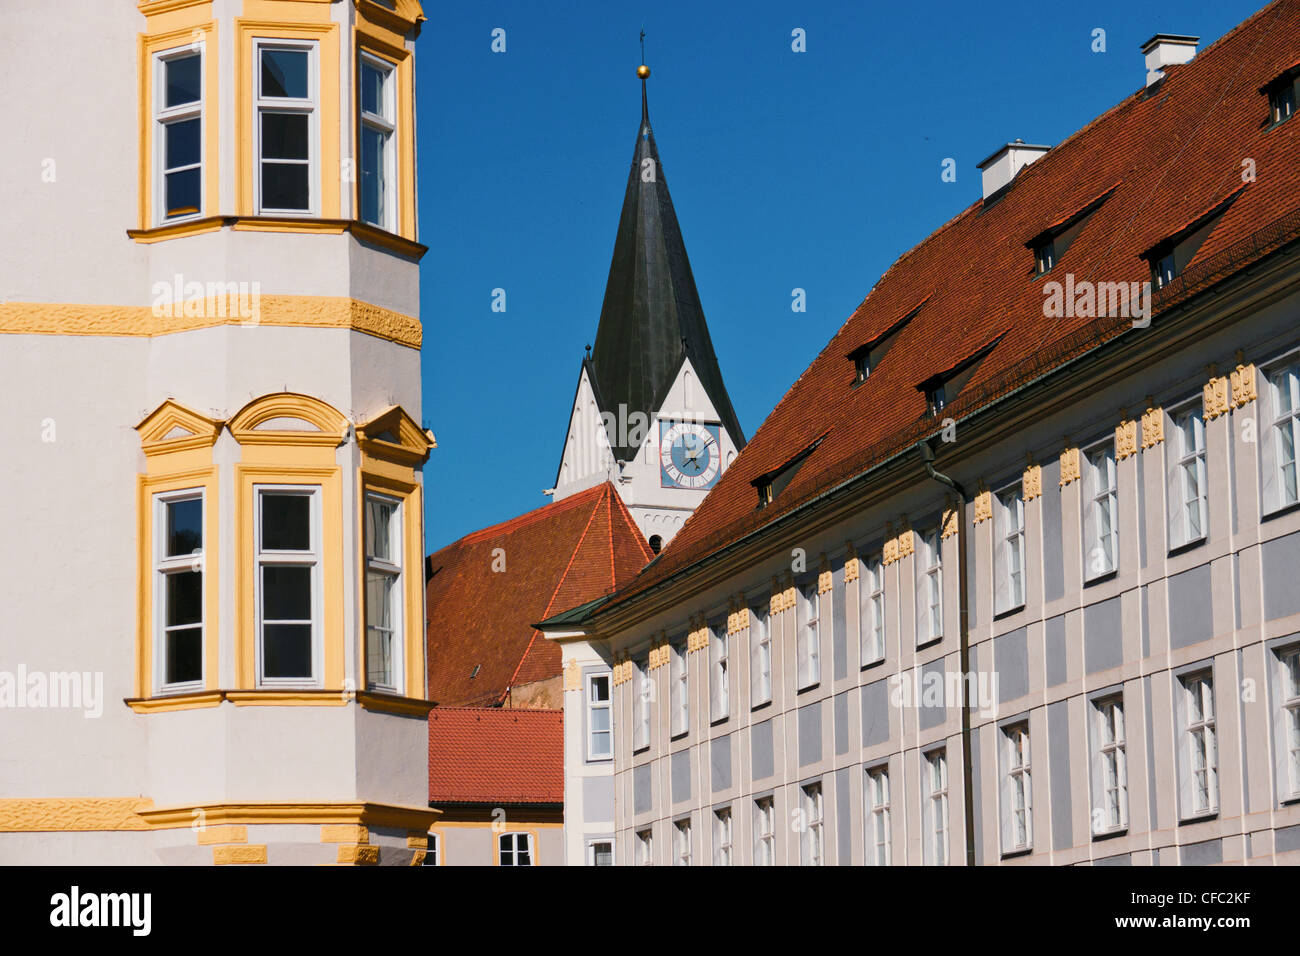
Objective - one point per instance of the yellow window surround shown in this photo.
(390, 48)
(191, 26)
(392, 447)
(177, 443)
(272, 454)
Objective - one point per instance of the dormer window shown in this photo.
(935, 399)
(771, 484)
(1171, 257)
(1045, 256)
(1281, 93)
(861, 365)
(1164, 270)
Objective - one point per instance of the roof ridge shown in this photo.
(527, 518)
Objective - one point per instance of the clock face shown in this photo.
(689, 455)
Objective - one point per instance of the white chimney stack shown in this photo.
(1000, 168)
(1167, 49)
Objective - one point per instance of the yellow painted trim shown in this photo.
(172, 25)
(413, 644)
(371, 815)
(185, 467)
(358, 855)
(320, 312)
(208, 836)
(363, 231)
(288, 698)
(330, 426)
(371, 37)
(344, 833)
(72, 814)
(417, 841)
(393, 704)
(260, 22)
(417, 858)
(226, 855)
(155, 428)
(279, 464)
(405, 15)
(158, 705)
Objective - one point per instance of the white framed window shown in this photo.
(1200, 785)
(377, 169)
(764, 832)
(1109, 766)
(682, 842)
(645, 848)
(681, 690)
(286, 130)
(1188, 488)
(600, 853)
(600, 737)
(642, 705)
(515, 849)
(1280, 487)
(722, 837)
(178, 135)
(878, 823)
(871, 603)
(178, 591)
(1101, 514)
(936, 808)
(811, 845)
(1009, 548)
(719, 674)
(1288, 731)
(929, 605)
(385, 634)
(809, 638)
(1017, 790)
(760, 667)
(288, 584)
(433, 855)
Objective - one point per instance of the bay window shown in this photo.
(384, 587)
(378, 166)
(178, 135)
(287, 129)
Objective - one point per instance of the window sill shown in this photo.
(869, 665)
(1101, 578)
(1009, 611)
(1187, 546)
(718, 721)
(370, 700)
(1200, 817)
(807, 687)
(1110, 834)
(1012, 854)
(680, 735)
(286, 222)
(928, 642)
(1280, 511)
(761, 704)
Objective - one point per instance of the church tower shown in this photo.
(651, 412)
(213, 648)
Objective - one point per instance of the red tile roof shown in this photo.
(560, 555)
(1170, 153)
(496, 755)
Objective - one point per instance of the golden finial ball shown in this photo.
(643, 71)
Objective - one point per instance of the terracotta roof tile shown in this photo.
(494, 755)
(1170, 153)
(564, 553)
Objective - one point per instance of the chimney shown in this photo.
(1002, 167)
(1167, 49)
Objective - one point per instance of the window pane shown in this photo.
(284, 73)
(182, 146)
(600, 689)
(184, 526)
(372, 90)
(286, 521)
(286, 593)
(284, 135)
(184, 655)
(182, 193)
(379, 657)
(603, 854)
(286, 650)
(285, 186)
(182, 80)
(379, 516)
(184, 598)
(372, 165)
(379, 604)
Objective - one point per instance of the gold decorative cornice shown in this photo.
(1153, 426)
(1126, 439)
(1215, 399)
(983, 505)
(889, 550)
(906, 540)
(825, 579)
(1243, 384)
(1069, 466)
(1031, 482)
(319, 312)
(949, 522)
(49, 815)
(622, 670)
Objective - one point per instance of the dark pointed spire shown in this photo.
(651, 319)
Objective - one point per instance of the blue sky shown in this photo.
(813, 170)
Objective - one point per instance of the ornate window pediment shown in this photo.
(172, 427)
(393, 435)
(288, 418)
